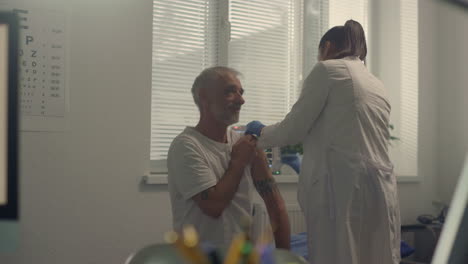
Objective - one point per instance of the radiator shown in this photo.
(296, 219)
(261, 221)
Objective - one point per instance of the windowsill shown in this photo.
(158, 174)
(155, 178)
(409, 179)
(161, 178)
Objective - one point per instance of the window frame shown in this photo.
(158, 168)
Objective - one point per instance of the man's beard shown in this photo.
(226, 115)
(231, 119)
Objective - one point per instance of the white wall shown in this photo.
(452, 74)
(81, 200)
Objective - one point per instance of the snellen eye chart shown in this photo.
(43, 91)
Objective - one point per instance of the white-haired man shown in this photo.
(214, 170)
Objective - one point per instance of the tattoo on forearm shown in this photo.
(204, 195)
(265, 186)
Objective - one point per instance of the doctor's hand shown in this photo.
(243, 151)
(254, 128)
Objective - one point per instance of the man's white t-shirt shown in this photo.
(196, 163)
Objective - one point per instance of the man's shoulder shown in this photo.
(184, 141)
(185, 135)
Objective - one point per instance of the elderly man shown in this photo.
(213, 170)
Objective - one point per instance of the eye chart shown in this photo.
(43, 91)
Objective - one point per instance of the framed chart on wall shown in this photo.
(43, 86)
(8, 131)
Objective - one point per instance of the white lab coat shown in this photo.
(347, 189)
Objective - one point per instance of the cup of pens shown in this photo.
(185, 248)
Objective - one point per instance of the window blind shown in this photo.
(342, 10)
(409, 90)
(266, 46)
(185, 41)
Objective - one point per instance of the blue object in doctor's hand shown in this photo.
(292, 160)
(254, 128)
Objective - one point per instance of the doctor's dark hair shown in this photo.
(348, 40)
(207, 77)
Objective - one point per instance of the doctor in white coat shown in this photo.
(347, 189)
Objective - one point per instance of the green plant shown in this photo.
(292, 149)
(392, 137)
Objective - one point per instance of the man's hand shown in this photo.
(214, 200)
(243, 151)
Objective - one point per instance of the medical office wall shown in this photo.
(81, 199)
(452, 85)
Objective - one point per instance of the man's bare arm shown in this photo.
(268, 190)
(214, 200)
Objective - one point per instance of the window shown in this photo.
(185, 41)
(405, 152)
(263, 39)
(341, 11)
(395, 46)
(266, 46)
